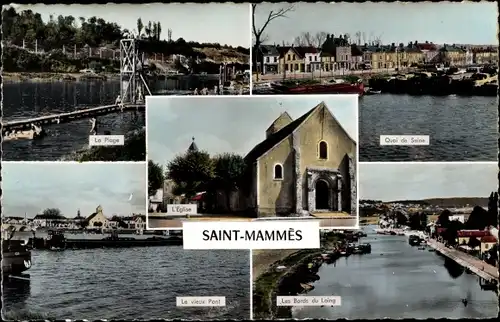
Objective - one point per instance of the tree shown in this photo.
(444, 218)
(414, 221)
(258, 32)
(320, 38)
(191, 172)
(451, 233)
(140, 25)
(155, 177)
(52, 213)
(308, 39)
(229, 171)
(474, 243)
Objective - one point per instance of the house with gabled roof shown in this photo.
(303, 166)
(269, 55)
(291, 60)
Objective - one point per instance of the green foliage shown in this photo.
(68, 32)
(155, 177)
(52, 213)
(196, 171)
(474, 242)
(351, 78)
(444, 218)
(134, 149)
(192, 171)
(229, 169)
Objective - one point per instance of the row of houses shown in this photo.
(283, 59)
(93, 221)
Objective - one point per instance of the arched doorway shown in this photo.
(322, 195)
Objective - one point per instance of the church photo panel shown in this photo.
(261, 158)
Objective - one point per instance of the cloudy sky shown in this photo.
(229, 124)
(32, 187)
(443, 22)
(215, 23)
(415, 181)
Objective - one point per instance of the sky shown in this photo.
(416, 181)
(443, 22)
(214, 23)
(229, 124)
(32, 187)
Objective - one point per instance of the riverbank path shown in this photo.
(323, 74)
(477, 266)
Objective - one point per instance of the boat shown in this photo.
(318, 88)
(372, 92)
(414, 240)
(57, 241)
(16, 257)
(23, 135)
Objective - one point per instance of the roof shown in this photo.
(143, 217)
(472, 233)
(269, 50)
(427, 46)
(193, 147)
(356, 51)
(451, 49)
(53, 217)
(284, 114)
(266, 145)
(488, 239)
(89, 218)
(272, 140)
(284, 49)
(302, 50)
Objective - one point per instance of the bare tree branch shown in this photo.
(298, 41)
(307, 39)
(258, 32)
(320, 38)
(281, 13)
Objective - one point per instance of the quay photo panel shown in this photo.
(79, 95)
(427, 247)
(274, 158)
(424, 95)
(75, 246)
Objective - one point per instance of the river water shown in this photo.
(26, 99)
(460, 128)
(398, 281)
(130, 283)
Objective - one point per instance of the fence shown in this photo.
(72, 52)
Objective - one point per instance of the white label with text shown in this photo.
(251, 235)
(404, 140)
(201, 301)
(308, 300)
(106, 140)
(182, 209)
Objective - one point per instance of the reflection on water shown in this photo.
(398, 281)
(460, 128)
(131, 283)
(25, 100)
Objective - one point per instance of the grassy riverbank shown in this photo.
(268, 281)
(134, 149)
(42, 77)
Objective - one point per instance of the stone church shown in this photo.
(303, 166)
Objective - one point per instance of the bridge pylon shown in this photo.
(133, 85)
